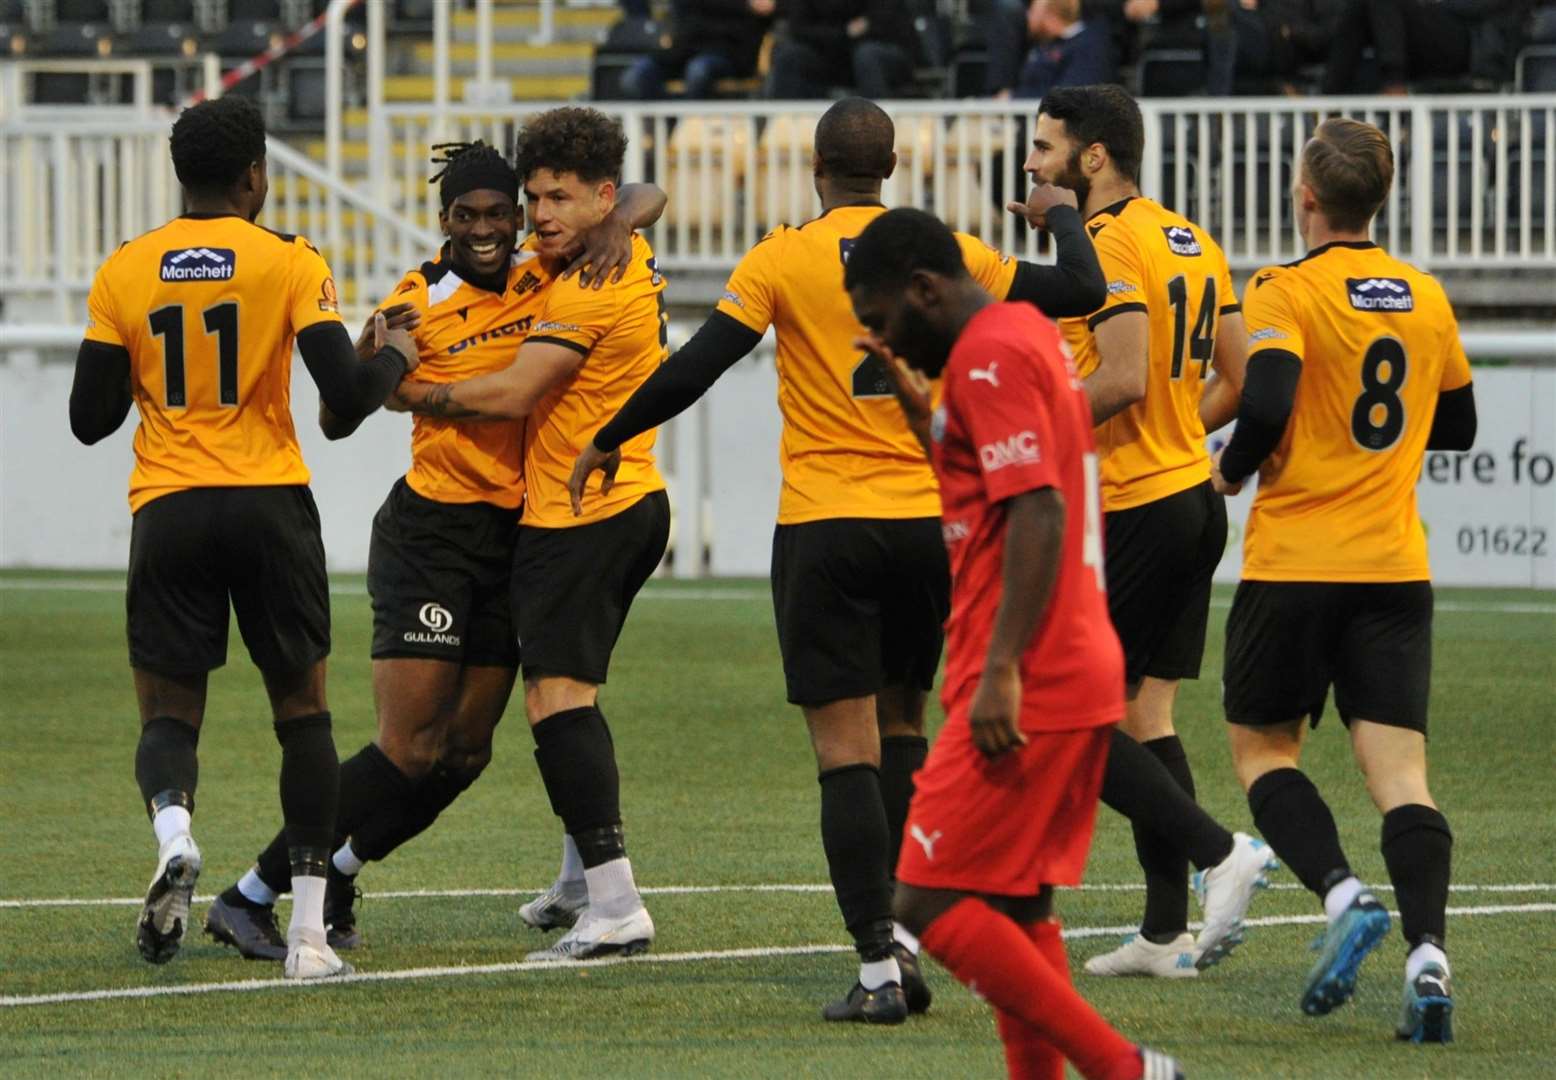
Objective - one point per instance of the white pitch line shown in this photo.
(660, 592)
(687, 890)
(766, 952)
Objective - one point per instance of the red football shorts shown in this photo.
(1007, 826)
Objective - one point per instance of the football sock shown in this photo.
(578, 766)
(1138, 785)
(409, 815)
(985, 949)
(1028, 1056)
(901, 757)
(1423, 954)
(310, 787)
(854, 836)
(612, 892)
(166, 765)
(347, 861)
(1418, 851)
(874, 974)
(169, 821)
(307, 925)
(251, 888)
(572, 865)
(369, 783)
(904, 937)
(1293, 818)
(1166, 868)
(1339, 896)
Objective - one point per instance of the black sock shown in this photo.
(369, 784)
(1140, 786)
(577, 762)
(400, 819)
(901, 757)
(1295, 820)
(1166, 867)
(166, 765)
(1418, 851)
(854, 835)
(310, 787)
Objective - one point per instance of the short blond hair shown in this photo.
(1350, 167)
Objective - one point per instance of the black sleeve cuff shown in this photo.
(1103, 316)
(1455, 424)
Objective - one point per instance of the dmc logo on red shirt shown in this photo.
(1019, 449)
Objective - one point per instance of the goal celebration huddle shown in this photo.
(994, 475)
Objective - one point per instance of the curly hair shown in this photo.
(215, 141)
(582, 141)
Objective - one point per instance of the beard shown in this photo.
(1073, 178)
(930, 346)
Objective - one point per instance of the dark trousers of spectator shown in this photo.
(1410, 38)
(636, 9)
(1005, 32)
(645, 80)
(801, 71)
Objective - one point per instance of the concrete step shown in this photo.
(419, 88)
(522, 24)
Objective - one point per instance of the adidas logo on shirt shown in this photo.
(1380, 294)
(199, 264)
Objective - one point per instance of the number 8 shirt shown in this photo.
(1377, 342)
(1013, 418)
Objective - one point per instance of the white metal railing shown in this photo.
(70, 193)
(1475, 179)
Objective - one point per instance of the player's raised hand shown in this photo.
(995, 716)
(1043, 198)
(602, 250)
(395, 316)
(397, 338)
(590, 459)
(1219, 482)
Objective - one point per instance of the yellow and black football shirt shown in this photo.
(208, 307)
(467, 330)
(622, 331)
(1162, 264)
(1378, 342)
(845, 451)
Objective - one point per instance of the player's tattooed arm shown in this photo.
(513, 392)
(1120, 378)
(1034, 539)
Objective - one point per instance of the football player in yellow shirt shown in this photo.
(574, 578)
(444, 649)
(1356, 371)
(1146, 358)
(194, 324)
(861, 583)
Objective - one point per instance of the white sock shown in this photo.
(572, 863)
(347, 861)
(874, 974)
(612, 892)
(1420, 956)
(904, 937)
(171, 821)
(254, 889)
(1338, 898)
(307, 924)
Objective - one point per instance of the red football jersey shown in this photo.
(1013, 418)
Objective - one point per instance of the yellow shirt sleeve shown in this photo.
(1226, 292)
(314, 298)
(1270, 316)
(1124, 269)
(989, 268)
(101, 325)
(751, 293)
(1456, 365)
(576, 316)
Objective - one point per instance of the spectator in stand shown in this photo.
(709, 40)
(864, 44)
(1068, 52)
(1465, 40)
(1275, 39)
(1158, 24)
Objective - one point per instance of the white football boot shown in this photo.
(1137, 956)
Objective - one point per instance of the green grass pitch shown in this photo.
(718, 789)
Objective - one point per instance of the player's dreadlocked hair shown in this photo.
(571, 139)
(215, 141)
(897, 243)
(471, 166)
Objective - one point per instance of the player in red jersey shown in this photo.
(1034, 683)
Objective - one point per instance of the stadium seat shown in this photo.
(167, 11)
(624, 42)
(1171, 73)
(305, 92)
(414, 11)
(242, 39)
(158, 39)
(60, 87)
(82, 11)
(1542, 25)
(1534, 72)
(606, 70)
(239, 11)
(75, 39)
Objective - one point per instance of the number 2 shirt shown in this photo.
(1013, 418)
(208, 307)
(1377, 342)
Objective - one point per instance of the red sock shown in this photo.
(995, 958)
(1028, 1056)
(1045, 935)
